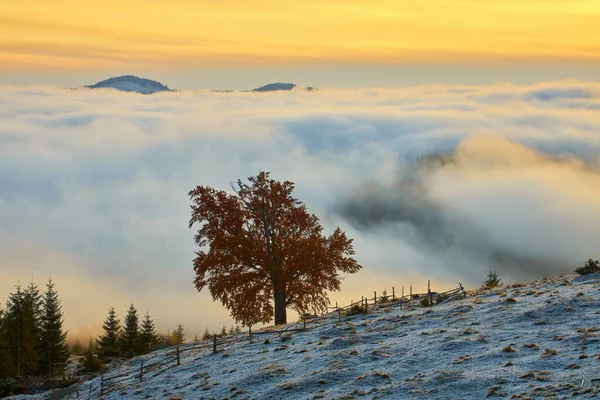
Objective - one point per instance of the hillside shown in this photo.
(130, 83)
(534, 340)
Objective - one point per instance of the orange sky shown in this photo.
(61, 35)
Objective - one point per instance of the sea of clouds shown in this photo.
(432, 182)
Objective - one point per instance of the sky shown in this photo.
(446, 137)
(435, 182)
(241, 44)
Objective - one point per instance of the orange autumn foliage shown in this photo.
(261, 251)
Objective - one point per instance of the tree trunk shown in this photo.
(280, 306)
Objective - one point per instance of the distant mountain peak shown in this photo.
(271, 87)
(131, 83)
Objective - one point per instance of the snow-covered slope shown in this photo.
(537, 340)
(130, 83)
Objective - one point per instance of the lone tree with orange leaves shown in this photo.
(261, 251)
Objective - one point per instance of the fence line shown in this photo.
(108, 384)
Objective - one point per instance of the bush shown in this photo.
(10, 386)
(91, 363)
(64, 381)
(425, 302)
(492, 281)
(384, 298)
(590, 267)
(356, 309)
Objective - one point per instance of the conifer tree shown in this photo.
(129, 338)
(22, 329)
(148, 336)
(109, 341)
(178, 336)
(33, 316)
(76, 348)
(5, 366)
(238, 329)
(91, 363)
(231, 330)
(492, 280)
(54, 350)
(206, 335)
(196, 338)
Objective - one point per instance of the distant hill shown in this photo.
(272, 87)
(130, 83)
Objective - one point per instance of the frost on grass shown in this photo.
(540, 346)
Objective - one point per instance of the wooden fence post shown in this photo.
(366, 306)
(178, 356)
(375, 297)
(101, 384)
(250, 332)
(215, 343)
(393, 294)
(402, 299)
(429, 293)
(410, 298)
(142, 371)
(339, 315)
(304, 319)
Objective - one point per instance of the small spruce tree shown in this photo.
(178, 336)
(129, 339)
(148, 336)
(231, 330)
(223, 331)
(492, 280)
(590, 267)
(238, 329)
(76, 348)
(91, 363)
(206, 335)
(108, 343)
(196, 338)
(54, 350)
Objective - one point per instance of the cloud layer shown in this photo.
(440, 182)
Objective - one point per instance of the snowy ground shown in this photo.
(536, 340)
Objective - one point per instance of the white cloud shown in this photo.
(101, 177)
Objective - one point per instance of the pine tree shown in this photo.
(196, 338)
(231, 330)
(148, 336)
(5, 365)
(206, 335)
(238, 330)
(76, 348)
(33, 316)
(108, 343)
(178, 336)
(91, 363)
(129, 338)
(54, 350)
(493, 280)
(223, 331)
(22, 329)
